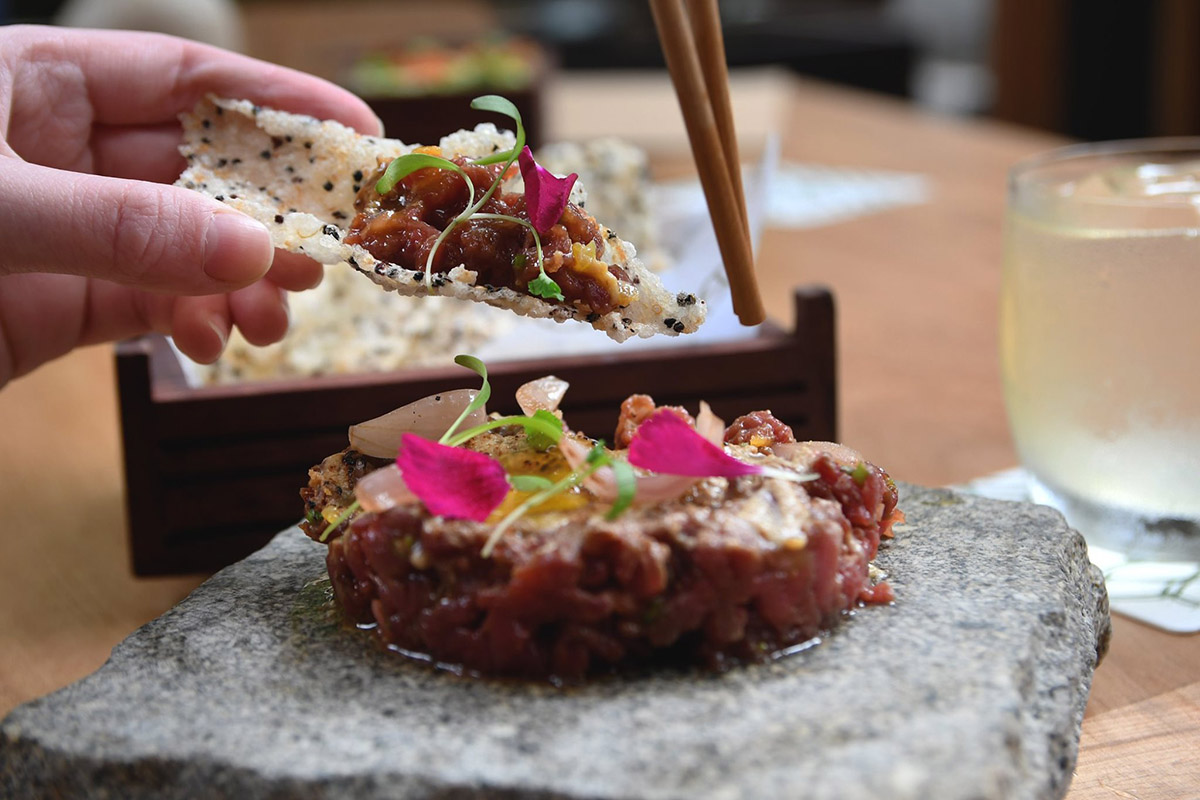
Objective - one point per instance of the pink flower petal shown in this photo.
(450, 481)
(667, 444)
(545, 194)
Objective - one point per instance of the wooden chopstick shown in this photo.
(701, 100)
(706, 25)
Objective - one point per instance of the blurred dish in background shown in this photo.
(423, 88)
(427, 66)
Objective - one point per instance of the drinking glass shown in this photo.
(1100, 339)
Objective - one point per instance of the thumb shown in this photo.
(140, 234)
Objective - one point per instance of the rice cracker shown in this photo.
(299, 176)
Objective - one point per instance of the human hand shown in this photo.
(96, 245)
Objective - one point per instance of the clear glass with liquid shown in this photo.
(1100, 339)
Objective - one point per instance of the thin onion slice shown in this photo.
(710, 426)
(428, 417)
(383, 489)
(542, 394)
(801, 454)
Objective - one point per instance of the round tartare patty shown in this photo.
(733, 570)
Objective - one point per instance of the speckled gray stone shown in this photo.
(971, 686)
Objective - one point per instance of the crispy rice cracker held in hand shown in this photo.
(301, 177)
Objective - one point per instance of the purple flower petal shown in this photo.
(667, 444)
(450, 481)
(545, 194)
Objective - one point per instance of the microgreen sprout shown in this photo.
(623, 474)
(543, 285)
(485, 392)
(405, 165)
(401, 167)
(538, 437)
(566, 483)
(333, 526)
(529, 483)
(551, 431)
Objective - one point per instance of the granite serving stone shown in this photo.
(972, 685)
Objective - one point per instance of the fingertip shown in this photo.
(237, 249)
(220, 329)
(261, 313)
(379, 130)
(295, 272)
(202, 338)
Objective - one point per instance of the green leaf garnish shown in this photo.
(596, 458)
(626, 487)
(572, 479)
(345, 515)
(530, 483)
(544, 286)
(542, 427)
(501, 105)
(405, 165)
(623, 474)
(537, 439)
(498, 105)
(485, 392)
(860, 473)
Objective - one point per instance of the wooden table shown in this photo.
(917, 292)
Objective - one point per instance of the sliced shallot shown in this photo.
(542, 394)
(803, 453)
(710, 426)
(383, 489)
(428, 417)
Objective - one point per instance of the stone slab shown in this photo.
(972, 685)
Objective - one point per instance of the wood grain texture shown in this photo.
(916, 290)
(1146, 750)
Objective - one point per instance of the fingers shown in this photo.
(201, 325)
(260, 312)
(44, 316)
(39, 320)
(149, 153)
(144, 78)
(140, 234)
(295, 272)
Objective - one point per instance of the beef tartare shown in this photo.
(703, 569)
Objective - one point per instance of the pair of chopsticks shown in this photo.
(695, 53)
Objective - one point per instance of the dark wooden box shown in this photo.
(426, 119)
(212, 473)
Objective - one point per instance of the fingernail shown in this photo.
(222, 335)
(237, 249)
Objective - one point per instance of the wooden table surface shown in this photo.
(916, 289)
